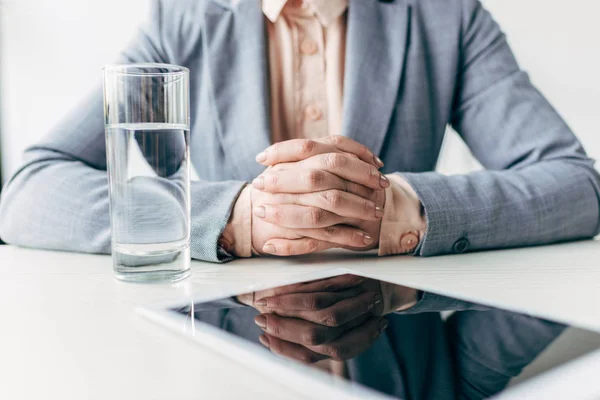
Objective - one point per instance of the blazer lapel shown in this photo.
(376, 47)
(235, 46)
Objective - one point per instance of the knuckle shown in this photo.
(286, 249)
(313, 338)
(339, 353)
(316, 216)
(274, 327)
(319, 303)
(315, 178)
(312, 245)
(271, 180)
(334, 160)
(275, 302)
(330, 319)
(331, 231)
(276, 215)
(335, 140)
(363, 150)
(332, 198)
(306, 147)
(311, 303)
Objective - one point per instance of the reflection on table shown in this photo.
(387, 337)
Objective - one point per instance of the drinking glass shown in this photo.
(146, 109)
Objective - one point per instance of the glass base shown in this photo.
(156, 266)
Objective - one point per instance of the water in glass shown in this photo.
(149, 170)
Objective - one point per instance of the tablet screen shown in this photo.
(390, 339)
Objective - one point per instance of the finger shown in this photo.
(293, 216)
(348, 168)
(348, 145)
(332, 284)
(290, 350)
(353, 342)
(303, 332)
(341, 235)
(296, 247)
(307, 301)
(307, 180)
(336, 201)
(301, 149)
(341, 312)
(296, 330)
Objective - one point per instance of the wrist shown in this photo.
(236, 238)
(404, 224)
(398, 298)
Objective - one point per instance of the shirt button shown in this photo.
(308, 47)
(461, 245)
(313, 113)
(409, 241)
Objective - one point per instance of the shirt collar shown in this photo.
(326, 11)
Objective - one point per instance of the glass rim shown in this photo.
(123, 69)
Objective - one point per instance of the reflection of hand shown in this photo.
(336, 318)
(315, 194)
(309, 343)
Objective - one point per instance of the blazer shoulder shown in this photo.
(173, 10)
(449, 8)
(446, 14)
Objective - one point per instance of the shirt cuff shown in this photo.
(238, 233)
(403, 224)
(397, 298)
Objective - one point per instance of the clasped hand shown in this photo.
(317, 195)
(333, 318)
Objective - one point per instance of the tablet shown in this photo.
(416, 356)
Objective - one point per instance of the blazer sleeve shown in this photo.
(58, 199)
(539, 185)
(492, 347)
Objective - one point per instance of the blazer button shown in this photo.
(461, 245)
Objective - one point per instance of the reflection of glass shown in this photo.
(383, 336)
(147, 145)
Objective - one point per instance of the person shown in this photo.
(338, 88)
(318, 124)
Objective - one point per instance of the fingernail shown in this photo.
(383, 325)
(261, 157)
(259, 183)
(378, 212)
(264, 341)
(377, 299)
(378, 161)
(261, 302)
(260, 212)
(367, 239)
(384, 181)
(261, 321)
(269, 249)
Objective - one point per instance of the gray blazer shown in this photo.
(412, 68)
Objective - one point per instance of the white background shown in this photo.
(52, 51)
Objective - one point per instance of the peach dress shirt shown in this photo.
(307, 47)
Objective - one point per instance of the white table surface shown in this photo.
(70, 330)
